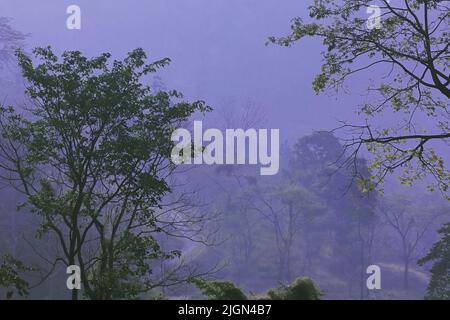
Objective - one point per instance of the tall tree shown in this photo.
(92, 156)
(410, 225)
(317, 162)
(407, 45)
(10, 40)
(288, 208)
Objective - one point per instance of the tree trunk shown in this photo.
(406, 276)
(74, 294)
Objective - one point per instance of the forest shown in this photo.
(355, 92)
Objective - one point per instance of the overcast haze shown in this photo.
(217, 49)
(219, 54)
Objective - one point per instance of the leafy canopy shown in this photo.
(407, 62)
(439, 286)
(92, 156)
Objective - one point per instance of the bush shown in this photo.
(301, 289)
(219, 290)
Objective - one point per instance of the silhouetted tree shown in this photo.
(409, 48)
(92, 157)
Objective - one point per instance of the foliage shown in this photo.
(300, 289)
(10, 40)
(10, 278)
(407, 57)
(308, 215)
(127, 277)
(219, 290)
(406, 54)
(439, 286)
(92, 156)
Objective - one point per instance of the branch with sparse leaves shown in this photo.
(407, 61)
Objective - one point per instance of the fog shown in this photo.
(219, 54)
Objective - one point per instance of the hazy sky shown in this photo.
(217, 48)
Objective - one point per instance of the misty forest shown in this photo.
(87, 179)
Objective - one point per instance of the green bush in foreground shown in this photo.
(219, 290)
(300, 289)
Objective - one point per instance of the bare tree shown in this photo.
(411, 227)
(288, 209)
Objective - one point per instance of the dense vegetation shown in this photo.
(87, 179)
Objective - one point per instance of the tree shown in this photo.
(219, 290)
(401, 215)
(406, 43)
(409, 49)
(92, 157)
(317, 164)
(439, 286)
(300, 289)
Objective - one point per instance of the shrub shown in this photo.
(219, 290)
(300, 289)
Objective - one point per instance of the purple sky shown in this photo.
(217, 48)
